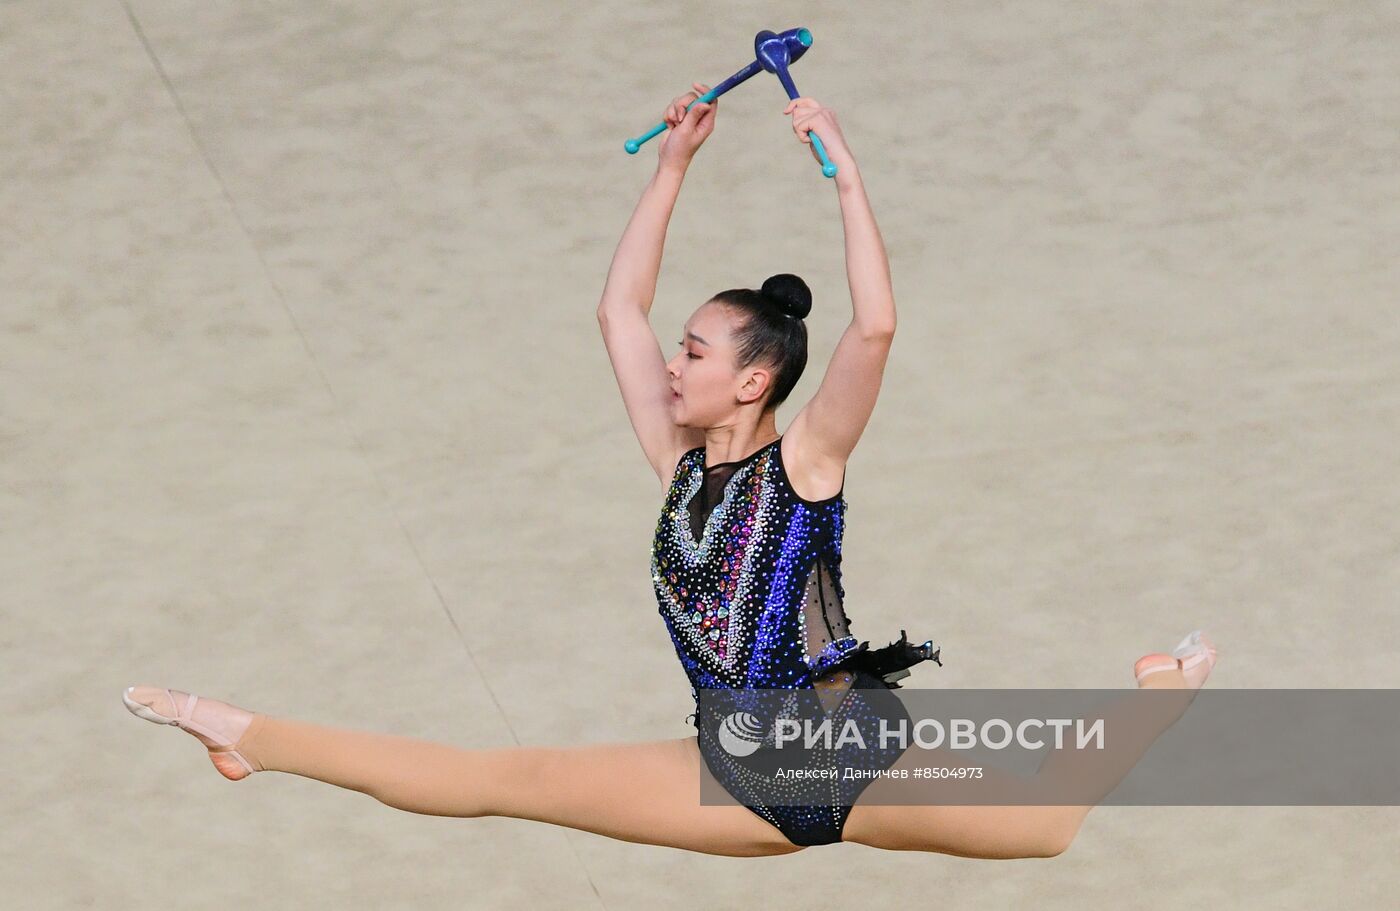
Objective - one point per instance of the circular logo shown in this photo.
(740, 734)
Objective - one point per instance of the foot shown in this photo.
(1187, 667)
(226, 722)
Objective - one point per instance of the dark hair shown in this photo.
(772, 331)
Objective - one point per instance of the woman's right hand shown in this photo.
(688, 129)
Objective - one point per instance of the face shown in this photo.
(706, 389)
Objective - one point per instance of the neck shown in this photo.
(730, 444)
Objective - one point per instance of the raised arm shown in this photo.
(832, 421)
(624, 311)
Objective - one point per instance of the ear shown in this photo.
(759, 380)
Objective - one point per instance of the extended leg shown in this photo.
(888, 815)
(648, 793)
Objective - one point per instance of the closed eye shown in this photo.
(693, 357)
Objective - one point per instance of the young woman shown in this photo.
(746, 568)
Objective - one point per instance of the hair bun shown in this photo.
(789, 293)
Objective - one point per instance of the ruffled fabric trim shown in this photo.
(891, 662)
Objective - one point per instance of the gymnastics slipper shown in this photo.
(1188, 653)
(185, 720)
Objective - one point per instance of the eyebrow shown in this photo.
(698, 339)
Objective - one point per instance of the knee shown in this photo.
(513, 781)
(1054, 840)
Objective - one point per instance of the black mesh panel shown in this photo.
(825, 620)
(710, 494)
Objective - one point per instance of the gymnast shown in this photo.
(746, 570)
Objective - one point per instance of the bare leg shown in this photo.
(647, 793)
(1024, 830)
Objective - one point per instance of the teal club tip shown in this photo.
(805, 37)
(829, 170)
(631, 146)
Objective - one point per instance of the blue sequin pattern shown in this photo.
(733, 604)
(732, 601)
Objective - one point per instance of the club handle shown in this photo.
(633, 145)
(828, 169)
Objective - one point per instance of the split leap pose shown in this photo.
(746, 569)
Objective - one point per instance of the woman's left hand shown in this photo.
(688, 131)
(808, 115)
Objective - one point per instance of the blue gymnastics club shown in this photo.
(774, 53)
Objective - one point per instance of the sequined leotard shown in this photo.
(748, 581)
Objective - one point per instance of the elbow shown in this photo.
(614, 308)
(878, 332)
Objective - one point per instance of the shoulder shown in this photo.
(813, 477)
